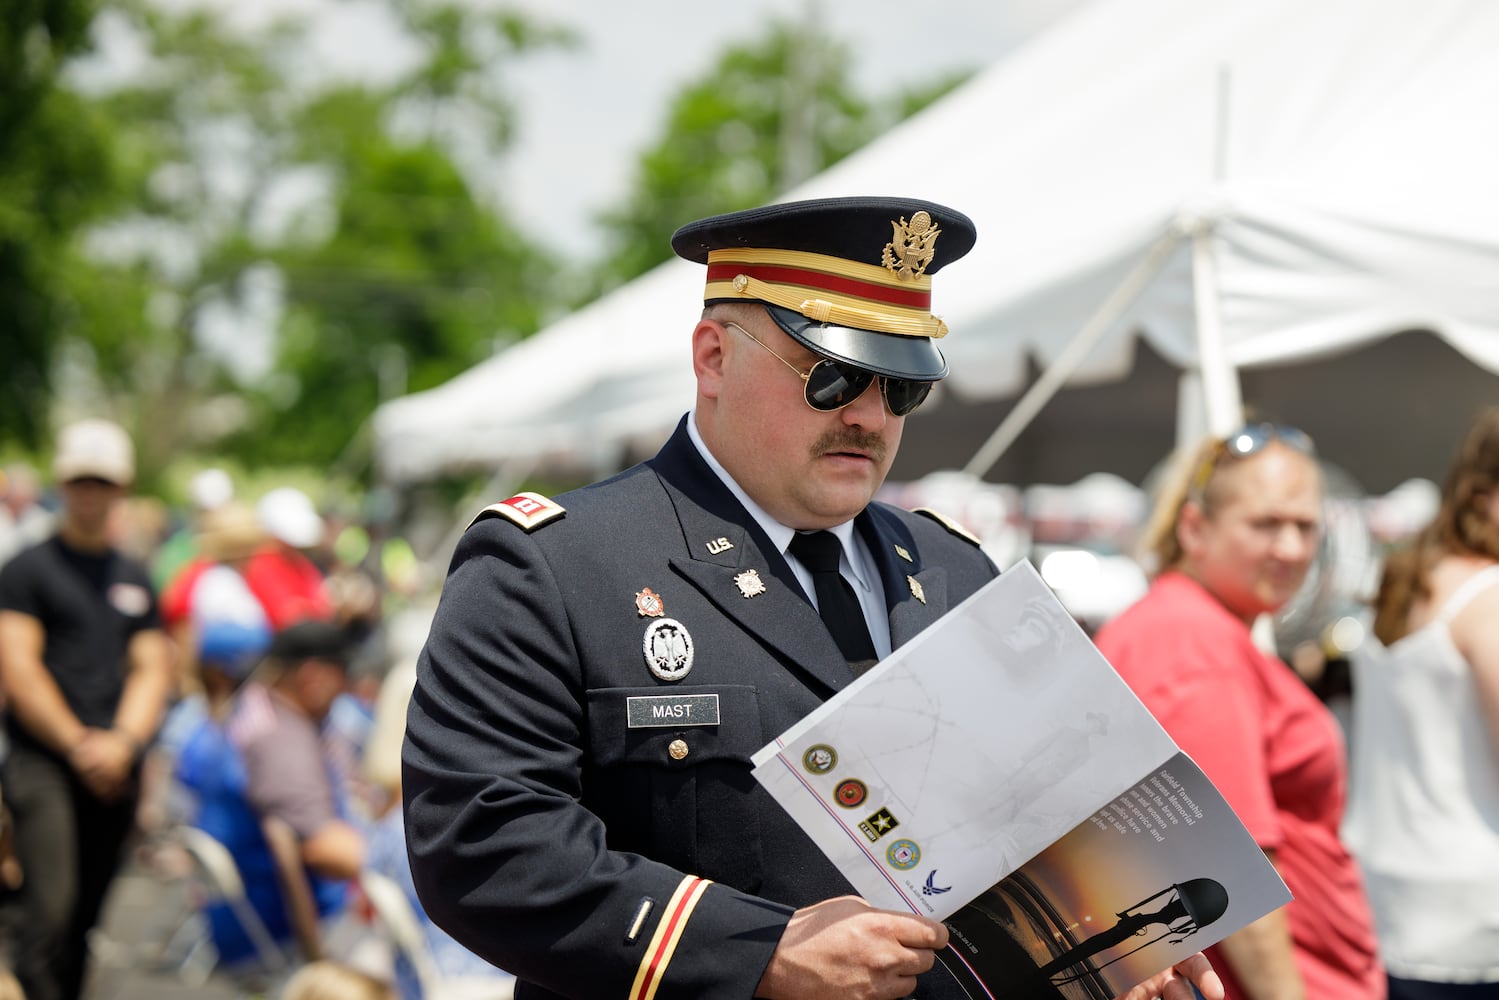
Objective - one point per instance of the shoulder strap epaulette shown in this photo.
(528, 510)
(948, 523)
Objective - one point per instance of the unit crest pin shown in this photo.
(900, 550)
(917, 591)
(649, 604)
(749, 583)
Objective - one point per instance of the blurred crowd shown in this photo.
(215, 696)
(230, 682)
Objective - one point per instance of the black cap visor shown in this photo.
(915, 358)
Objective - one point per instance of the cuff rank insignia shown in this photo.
(528, 510)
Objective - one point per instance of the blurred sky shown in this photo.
(586, 114)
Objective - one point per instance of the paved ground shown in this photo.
(137, 957)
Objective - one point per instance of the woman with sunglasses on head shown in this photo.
(1233, 535)
(1423, 814)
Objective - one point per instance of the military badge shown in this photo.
(948, 523)
(749, 583)
(668, 649)
(719, 545)
(820, 758)
(932, 888)
(878, 825)
(648, 603)
(913, 246)
(900, 550)
(528, 510)
(917, 590)
(851, 793)
(903, 855)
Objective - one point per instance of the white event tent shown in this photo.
(1218, 192)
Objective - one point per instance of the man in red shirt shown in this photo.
(288, 584)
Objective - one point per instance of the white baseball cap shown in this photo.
(210, 489)
(288, 514)
(94, 449)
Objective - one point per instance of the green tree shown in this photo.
(57, 172)
(770, 114)
(417, 283)
(391, 270)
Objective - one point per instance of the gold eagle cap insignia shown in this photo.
(913, 246)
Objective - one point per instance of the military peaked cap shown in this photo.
(849, 278)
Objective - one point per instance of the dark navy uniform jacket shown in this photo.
(593, 858)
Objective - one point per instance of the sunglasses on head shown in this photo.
(1249, 440)
(831, 385)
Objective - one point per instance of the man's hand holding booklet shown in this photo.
(997, 775)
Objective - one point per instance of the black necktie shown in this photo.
(836, 600)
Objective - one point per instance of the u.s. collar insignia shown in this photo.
(648, 603)
(900, 550)
(917, 591)
(668, 649)
(749, 583)
(912, 248)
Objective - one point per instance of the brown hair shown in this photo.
(1161, 548)
(1461, 527)
(1197, 475)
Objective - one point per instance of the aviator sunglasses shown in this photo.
(1246, 441)
(831, 385)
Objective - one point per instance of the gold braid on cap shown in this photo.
(826, 289)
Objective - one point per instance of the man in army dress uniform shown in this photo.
(602, 666)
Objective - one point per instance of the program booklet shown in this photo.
(995, 773)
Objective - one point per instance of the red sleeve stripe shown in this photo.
(663, 944)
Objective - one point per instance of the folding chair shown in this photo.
(400, 924)
(217, 880)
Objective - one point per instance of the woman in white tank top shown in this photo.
(1423, 812)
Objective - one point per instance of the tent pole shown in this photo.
(1220, 379)
(1076, 351)
(1221, 398)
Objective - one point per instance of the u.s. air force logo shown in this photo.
(668, 649)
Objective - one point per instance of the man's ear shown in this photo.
(708, 356)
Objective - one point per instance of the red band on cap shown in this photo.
(779, 275)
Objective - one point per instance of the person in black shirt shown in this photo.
(86, 672)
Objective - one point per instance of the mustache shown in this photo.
(851, 439)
